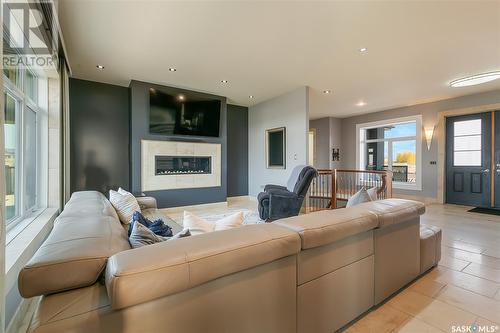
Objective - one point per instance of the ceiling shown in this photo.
(266, 49)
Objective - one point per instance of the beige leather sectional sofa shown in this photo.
(311, 273)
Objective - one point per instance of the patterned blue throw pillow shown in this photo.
(157, 226)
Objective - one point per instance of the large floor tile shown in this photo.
(427, 286)
(482, 306)
(483, 271)
(453, 263)
(469, 282)
(472, 257)
(432, 311)
(414, 325)
(381, 320)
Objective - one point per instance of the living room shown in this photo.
(250, 166)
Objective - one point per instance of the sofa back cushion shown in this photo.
(75, 253)
(162, 269)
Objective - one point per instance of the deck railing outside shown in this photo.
(332, 188)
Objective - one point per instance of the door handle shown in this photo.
(486, 170)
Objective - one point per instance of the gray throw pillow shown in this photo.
(141, 236)
(359, 197)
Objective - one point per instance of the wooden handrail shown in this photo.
(329, 180)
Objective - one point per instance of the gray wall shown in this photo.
(328, 137)
(322, 144)
(99, 134)
(336, 142)
(237, 150)
(429, 112)
(139, 103)
(291, 111)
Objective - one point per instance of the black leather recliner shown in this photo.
(278, 202)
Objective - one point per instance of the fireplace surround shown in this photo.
(168, 165)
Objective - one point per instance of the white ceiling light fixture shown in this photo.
(475, 79)
(251, 96)
(361, 103)
(363, 49)
(172, 69)
(327, 91)
(224, 81)
(100, 67)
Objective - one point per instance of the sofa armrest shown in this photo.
(146, 202)
(154, 271)
(271, 187)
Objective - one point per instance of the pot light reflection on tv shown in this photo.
(183, 115)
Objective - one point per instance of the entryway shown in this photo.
(473, 159)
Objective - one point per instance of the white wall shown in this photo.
(290, 110)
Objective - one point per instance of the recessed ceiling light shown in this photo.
(327, 91)
(181, 97)
(251, 96)
(361, 103)
(363, 49)
(100, 67)
(223, 81)
(475, 79)
(172, 69)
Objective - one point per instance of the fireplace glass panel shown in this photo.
(183, 165)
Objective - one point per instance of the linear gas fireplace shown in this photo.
(183, 165)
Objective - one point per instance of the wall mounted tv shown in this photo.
(183, 115)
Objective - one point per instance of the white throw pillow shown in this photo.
(125, 204)
(198, 225)
(359, 197)
(372, 192)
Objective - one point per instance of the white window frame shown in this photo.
(25, 102)
(360, 147)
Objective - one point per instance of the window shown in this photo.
(467, 143)
(24, 116)
(392, 145)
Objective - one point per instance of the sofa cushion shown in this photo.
(125, 204)
(392, 211)
(75, 252)
(327, 226)
(158, 270)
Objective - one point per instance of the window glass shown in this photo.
(11, 148)
(30, 159)
(32, 86)
(404, 161)
(467, 143)
(392, 147)
(14, 75)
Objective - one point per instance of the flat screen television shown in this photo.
(183, 115)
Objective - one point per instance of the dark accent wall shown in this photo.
(139, 106)
(237, 150)
(99, 136)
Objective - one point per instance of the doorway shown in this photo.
(473, 160)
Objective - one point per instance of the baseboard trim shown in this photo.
(176, 210)
(240, 198)
(425, 200)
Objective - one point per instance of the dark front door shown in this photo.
(468, 160)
